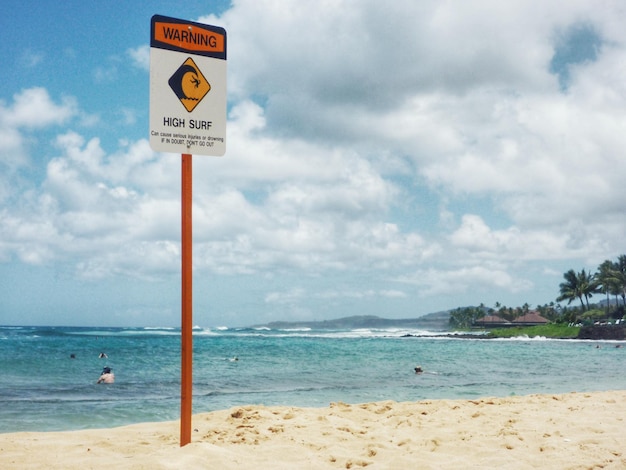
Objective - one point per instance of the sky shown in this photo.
(391, 161)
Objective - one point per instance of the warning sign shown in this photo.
(189, 84)
(187, 87)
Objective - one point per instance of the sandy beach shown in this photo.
(570, 431)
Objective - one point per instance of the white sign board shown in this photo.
(187, 87)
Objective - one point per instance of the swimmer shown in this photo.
(418, 370)
(234, 359)
(107, 376)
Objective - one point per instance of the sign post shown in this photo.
(186, 382)
(187, 116)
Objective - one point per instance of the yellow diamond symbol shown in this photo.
(189, 84)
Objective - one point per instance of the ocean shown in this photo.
(48, 377)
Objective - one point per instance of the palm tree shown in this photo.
(570, 289)
(608, 280)
(580, 286)
(620, 277)
(588, 285)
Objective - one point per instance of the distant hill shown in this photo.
(437, 321)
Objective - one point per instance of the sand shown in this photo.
(570, 431)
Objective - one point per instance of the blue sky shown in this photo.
(389, 162)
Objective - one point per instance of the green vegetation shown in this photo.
(464, 318)
(550, 330)
(609, 279)
(593, 315)
(578, 286)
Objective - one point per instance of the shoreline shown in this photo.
(589, 332)
(573, 430)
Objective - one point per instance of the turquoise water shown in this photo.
(43, 389)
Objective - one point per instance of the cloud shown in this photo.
(428, 145)
(479, 279)
(31, 59)
(363, 59)
(114, 211)
(21, 123)
(290, 297)
(140, 57)
(474, 109)
(33, 108)
(106, 74)
(362, 294)
(477, 240)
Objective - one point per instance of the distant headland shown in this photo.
(438, 321)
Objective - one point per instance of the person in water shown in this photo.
(107, 376)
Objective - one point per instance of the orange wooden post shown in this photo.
(186, 382)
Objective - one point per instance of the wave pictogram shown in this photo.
(189, 84)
